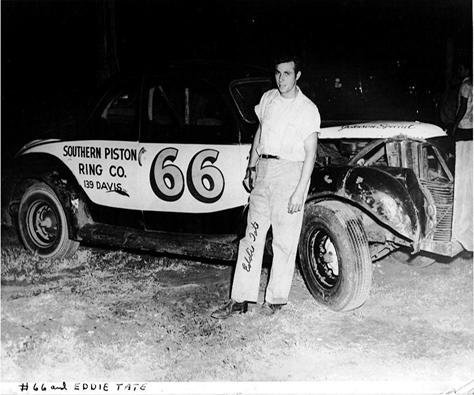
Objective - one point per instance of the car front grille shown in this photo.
(443, 197)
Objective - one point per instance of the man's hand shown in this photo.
(296, 201)
(250, 176)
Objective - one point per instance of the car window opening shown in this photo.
(187, 113)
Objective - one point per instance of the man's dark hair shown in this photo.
(288, 58)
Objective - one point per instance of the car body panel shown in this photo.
(126, 174)
(375, 191)
(385, 197)
(106, 171)
(207, 178)
(382, 129)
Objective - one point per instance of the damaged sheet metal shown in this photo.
(385, 197)
(374, 190)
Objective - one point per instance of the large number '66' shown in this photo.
(205, 182)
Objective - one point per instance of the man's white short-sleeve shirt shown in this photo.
(285, 124)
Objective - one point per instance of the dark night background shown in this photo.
(397, 56)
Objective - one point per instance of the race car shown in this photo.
(159, 166)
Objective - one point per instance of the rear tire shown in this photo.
(42, 223)
(335, 256)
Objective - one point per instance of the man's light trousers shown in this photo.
(275, 183)
(462, 216)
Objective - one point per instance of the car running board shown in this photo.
(221, 247)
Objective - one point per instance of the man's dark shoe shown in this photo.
(230, 308)
(270, 308)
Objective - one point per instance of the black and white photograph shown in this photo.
(237, 197)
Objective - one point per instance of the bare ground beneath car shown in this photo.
(115, 315)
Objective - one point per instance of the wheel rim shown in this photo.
(324, 260)
(43, 224)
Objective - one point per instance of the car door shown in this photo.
(191, 159)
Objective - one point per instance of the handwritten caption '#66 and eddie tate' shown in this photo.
(81, 387)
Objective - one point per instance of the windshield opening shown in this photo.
(246, 94)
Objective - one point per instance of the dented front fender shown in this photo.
(377, 192)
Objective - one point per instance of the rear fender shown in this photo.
(50, 170)
(372, 190)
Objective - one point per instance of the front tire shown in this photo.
(42, 223)
(334, 256)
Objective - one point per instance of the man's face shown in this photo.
(286, 77)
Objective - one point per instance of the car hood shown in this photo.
(382, 129)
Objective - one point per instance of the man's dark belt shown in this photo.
(268, 156)
(463, 134)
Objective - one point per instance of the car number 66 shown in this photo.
(205, 181)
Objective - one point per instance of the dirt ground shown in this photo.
(115, 315)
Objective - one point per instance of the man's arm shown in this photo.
(296, 201)
(253, 151)
(251, 171)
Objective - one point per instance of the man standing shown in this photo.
(462, 221)
(280, 166)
